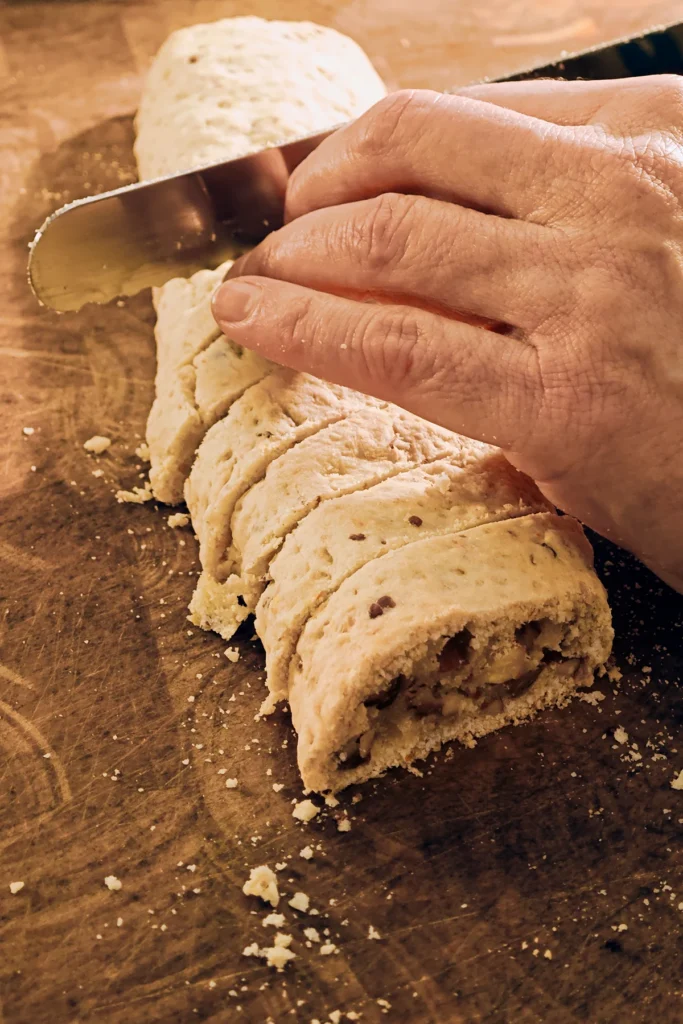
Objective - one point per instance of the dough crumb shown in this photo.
(677, 781)
(305, 810)
(98, 473)
(231, 783)
(138, 496)
(344, 825)
(232, 654)
(15, 887)
(384, 1003)
(277, 956)
(97, 444)
(262, 883)
(178, 520)
(276, 920)
(373, 933)
(277, 786)
(548, 954)
(328, 949)
(331, 801)
(30, 430)
(300, 901)
(306, 853)
(335, 1016)
(593, 697)
(142, 452)
(112, 883)
(312, 934)
(620, 734)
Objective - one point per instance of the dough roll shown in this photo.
(409, 586)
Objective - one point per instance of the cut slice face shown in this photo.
(400, 660)
(473, 486)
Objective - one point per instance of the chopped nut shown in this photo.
(357, 536)
(386, 602)
(415, 521)
(375, 611)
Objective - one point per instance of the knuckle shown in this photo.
(667, 92)
(385, 126)
(387, 344)
(384, 231)
(297, 322)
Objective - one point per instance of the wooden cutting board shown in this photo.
(536, 878)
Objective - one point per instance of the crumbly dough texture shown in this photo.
(409, 586)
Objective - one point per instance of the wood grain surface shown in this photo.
(537, 879)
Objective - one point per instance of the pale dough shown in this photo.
(410, 587)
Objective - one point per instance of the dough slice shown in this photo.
(266, 421)
(199, 374)
(215, 92)
(347, 456)
(403, 658)
(473, 486)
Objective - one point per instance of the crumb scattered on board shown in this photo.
(178, 520)
(97, 444)
(142, 452)
(15, 887)
(138, 496)
(232, 654)
(305, 810)
(112, 883)
(262, 883)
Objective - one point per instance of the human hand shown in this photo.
(508, 263)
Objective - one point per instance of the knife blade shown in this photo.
(117, 243)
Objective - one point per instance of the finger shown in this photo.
(416, 251)
(615, 103)
(464, 378)
(452, 147)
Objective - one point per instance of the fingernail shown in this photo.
(235, 301)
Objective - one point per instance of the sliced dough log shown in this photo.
(215, 92)
(512, 620)
(474, 485)
(347, 456)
